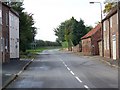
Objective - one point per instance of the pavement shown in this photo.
(11, 70)
(109, 61)
(55, 69)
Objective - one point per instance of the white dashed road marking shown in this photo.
(68, 68)
(75, 75)
(72, 73)
(78, 79)
(86, 86)
(63, 62)
(65, 65)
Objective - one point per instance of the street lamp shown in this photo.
(100, 7)
(101, 25)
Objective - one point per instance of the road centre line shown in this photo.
(72, 73)
(65, 65)
(78, 79)
(63, 62)
(86, 86)
(68, 68)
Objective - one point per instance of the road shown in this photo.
(56, 69)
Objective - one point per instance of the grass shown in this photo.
(36, 51)
(31, 53)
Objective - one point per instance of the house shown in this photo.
(5, 33)
(9, 33)
(14, 34)
(111, 35)
(0, 31)
(91, 42)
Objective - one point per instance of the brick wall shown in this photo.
(110, 35)
(5, 32)
(86, 46)
(0, 32)
(95, 38)
(90, 45)
(77, 48)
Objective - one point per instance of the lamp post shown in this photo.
(100, 7)
(101, 25)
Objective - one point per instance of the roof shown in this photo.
(111, 13)
(11, 9)
(92, 32)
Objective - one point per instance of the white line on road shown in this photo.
(72, 73)
(60, 59)
(63, 62)
(86, 86)
(65, 65)
(68, 68)
(78, 79)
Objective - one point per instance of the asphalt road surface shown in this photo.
(56, 69)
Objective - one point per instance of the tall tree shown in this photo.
(71, 31)
(26, 26)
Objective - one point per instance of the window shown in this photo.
(0, 16)
(111, 22)
(10, 18)
(6, 19)
(6, 47)
(2, 44)
(117, 18)
(107, 42)
(104, 26)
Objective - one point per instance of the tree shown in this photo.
(26, 26)
(41, 43)
(109, 6)
(71, 31)
(59, 31)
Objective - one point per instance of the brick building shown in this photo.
(111, 35)
(0, 31)
(9, 33)
(90, 42)
(14, 34)
(5, 33)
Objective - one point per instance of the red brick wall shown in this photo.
(5, 31)
(86, 46)
(95, 38)
(114, 30)
(90, 45)
(109, 32)
(106, 39)
(77, 48)
(0, 34)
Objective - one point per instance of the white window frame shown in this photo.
(117, 17)
(0, 12)
(111, 22)
(104, 26)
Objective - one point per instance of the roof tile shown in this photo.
(91, 32)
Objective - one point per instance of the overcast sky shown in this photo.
(48, 14)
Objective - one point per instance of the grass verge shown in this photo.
(31, 53)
